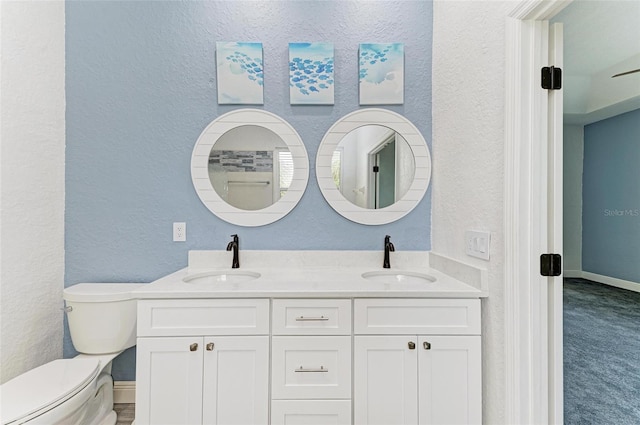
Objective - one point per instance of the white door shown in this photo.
(169, 381)
(236, 380)
(533, 217)
(555, 231)
(450, 380)
(385, 380)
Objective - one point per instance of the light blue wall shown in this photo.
(141, 86)
(611, 197)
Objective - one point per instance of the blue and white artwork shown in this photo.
(311, 73)
(381, 74)
(240, 74)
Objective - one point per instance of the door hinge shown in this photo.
(550, 264)
(551, 78)
(376, 169)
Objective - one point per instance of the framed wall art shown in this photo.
(239, 73)
(311, 79)
(381, 73)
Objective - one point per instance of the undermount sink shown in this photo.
(390, 276)
(221, 276)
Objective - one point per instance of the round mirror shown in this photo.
(373, 166)
(249, 167)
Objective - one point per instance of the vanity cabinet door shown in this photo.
(236, 380)
(169, 380)
(450, 380)
(426, 380)
(385, 380)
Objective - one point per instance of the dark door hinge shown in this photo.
(376, 169)
(550, 264)
(551, 78)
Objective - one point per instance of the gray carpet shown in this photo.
(601, 354)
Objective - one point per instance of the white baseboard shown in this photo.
(124, 391)
(607, 280)
(572, 273)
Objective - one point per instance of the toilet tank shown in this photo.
(102, 316)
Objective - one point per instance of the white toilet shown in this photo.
(102, 323)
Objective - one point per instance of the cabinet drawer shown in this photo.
(417, 316)
(311, 317)
(203, 317)
(311, 367)
(310, 412)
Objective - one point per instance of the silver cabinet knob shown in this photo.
(426, 345)
(210, 346)
(412, 345)
(193, 347)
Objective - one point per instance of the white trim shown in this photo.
(526, 343)
(605, 280)
(124, 392)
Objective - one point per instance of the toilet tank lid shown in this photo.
(45, 387)
(100, 292)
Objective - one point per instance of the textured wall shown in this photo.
(572, 189)
(611, 197)
(32, 192)
(141, 87)
(468, 159)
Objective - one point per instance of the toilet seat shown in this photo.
(45, 387)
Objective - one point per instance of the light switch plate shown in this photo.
(477, 243)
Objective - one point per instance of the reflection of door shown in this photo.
(386, 176)
(381, 178)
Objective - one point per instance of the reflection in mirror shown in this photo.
(367, 201)
(373, 166)
(250, 167)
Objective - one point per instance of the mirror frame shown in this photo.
(200, 167)
(421, 178)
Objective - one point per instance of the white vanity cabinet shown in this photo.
(202, 361)
(417, 361)
(304, 361)
(311, 362)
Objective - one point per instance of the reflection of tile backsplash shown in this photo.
(242, 160)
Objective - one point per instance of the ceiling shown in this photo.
(601, 38)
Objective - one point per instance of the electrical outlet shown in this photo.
(179, 232)
(477, 244)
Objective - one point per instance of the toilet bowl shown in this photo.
(102, 324)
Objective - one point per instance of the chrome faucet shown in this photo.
(388, 247)
(235, 264)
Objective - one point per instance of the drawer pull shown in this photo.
(193, 347)
(210, 346)
(302, 369)
(311, 319)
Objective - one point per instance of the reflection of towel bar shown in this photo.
(247, 182)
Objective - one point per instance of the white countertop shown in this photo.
(310, 274)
